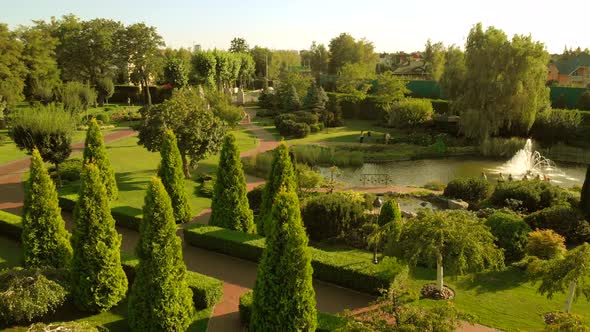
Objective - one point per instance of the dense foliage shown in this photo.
(531, 196)
(230, 208)
(410, 112)
(554, 125)
(46, 243)
(511, 234)
(170, 171)
(563, 219)
(331, 215)
(472, 189)
(545, 244)
(160, 299)
(95, 152)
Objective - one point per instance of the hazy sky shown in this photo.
(390, 25)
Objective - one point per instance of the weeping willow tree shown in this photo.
(504, 83)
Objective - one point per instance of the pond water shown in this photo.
(420, 172)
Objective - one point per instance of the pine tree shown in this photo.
(315, 99)
(95, 152)
(291, 99)
(282, 174)
(46, 242)
(98, 280)
(284, 298)
(585, 196)
(170, 172)
(230, 201)
(160, 299)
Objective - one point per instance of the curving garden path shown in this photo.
(238, 275)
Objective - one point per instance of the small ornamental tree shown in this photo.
(230, 208)
(98, 280)
(284, 298)
(95, 152)
(585, 195)
(160, 299)
(282, 174)
(545, 244)
(46, 242)
(390, 212)
(570, 272)
(170, 172)
(454, 238)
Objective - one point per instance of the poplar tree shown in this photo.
(282, 174)
(95, 152)
(284, 298)
(230, 207)
(46, 242)
(172, 176)
(98, 280)
(160, 299)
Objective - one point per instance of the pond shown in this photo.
(420, 172)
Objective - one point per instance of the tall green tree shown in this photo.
(105, 89)
(570, 272)
(315, 99)
(170, 171)
(198, 131)
(160, 299)
(230, 207)
(355, 79)
(585, 195)
(203, 68)
(95, 152)
(345, 49)
(452, 80)
(46, 242)
(98, 281)
(434, 59)
(389, 89)
(455, 239)
(175, 73)
(506, 83)
(262, 57)
(12, 69)
(284, 298)
(282, 174)
(238, 45)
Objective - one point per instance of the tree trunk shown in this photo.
(570, 297)
(185, 168)
(439, 272)
(148, 96)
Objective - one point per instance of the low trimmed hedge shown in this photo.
(341, 269)
(326, 322)
(207, 291)
(68, 203)
(10, 225)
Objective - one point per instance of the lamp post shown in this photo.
(377, 204)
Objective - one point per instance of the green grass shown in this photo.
(134, 166)
(10, 253)
(503, 300)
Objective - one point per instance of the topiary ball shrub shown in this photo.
(429, 291)
(255, 198)
(472, 190)
(103, 118)
(511, 234)
(331, 215)
(28, 294)
(563, 219)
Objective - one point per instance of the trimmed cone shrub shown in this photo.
(390, 212)
(160, 299)
(46, 242)
(585, 195)
(230, 208)
(282, 174)
(98, 280)
(172, 176)
(284, 298)
(95, 152)
(511, 234)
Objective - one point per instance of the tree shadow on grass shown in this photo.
(130, 181)
(492, 281)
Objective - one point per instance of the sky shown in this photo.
(391, 25)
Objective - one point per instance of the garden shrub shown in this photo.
(69, 170)
(471, 189)
(331, 215)
(297, 124)
(564, 322)
(63, 327)
(441, 106)
(563, 219)
(255, 198)
(206, 188)
(410, 112)
(511, 234)
(545, 244)
(268, 100)
(103, 118)
(554, 125)
(95, 152)
(390, 212)
(533, 195)
(27, 294)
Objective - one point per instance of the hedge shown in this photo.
(341, 269)
(326, 322)
(207, 291)
(10, 225)
(67, 203)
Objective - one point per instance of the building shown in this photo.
(570, 70)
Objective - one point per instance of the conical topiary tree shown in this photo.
(98, 280)
(160, 299)
(230, 208)
(46, 242)
(284, 298)
(390, 212)
(95, 152)
(282, 174)
(172, 176)
(585, 196)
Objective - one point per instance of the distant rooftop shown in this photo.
(567, 64)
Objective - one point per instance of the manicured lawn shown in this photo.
(134, 166)
(503, 300)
